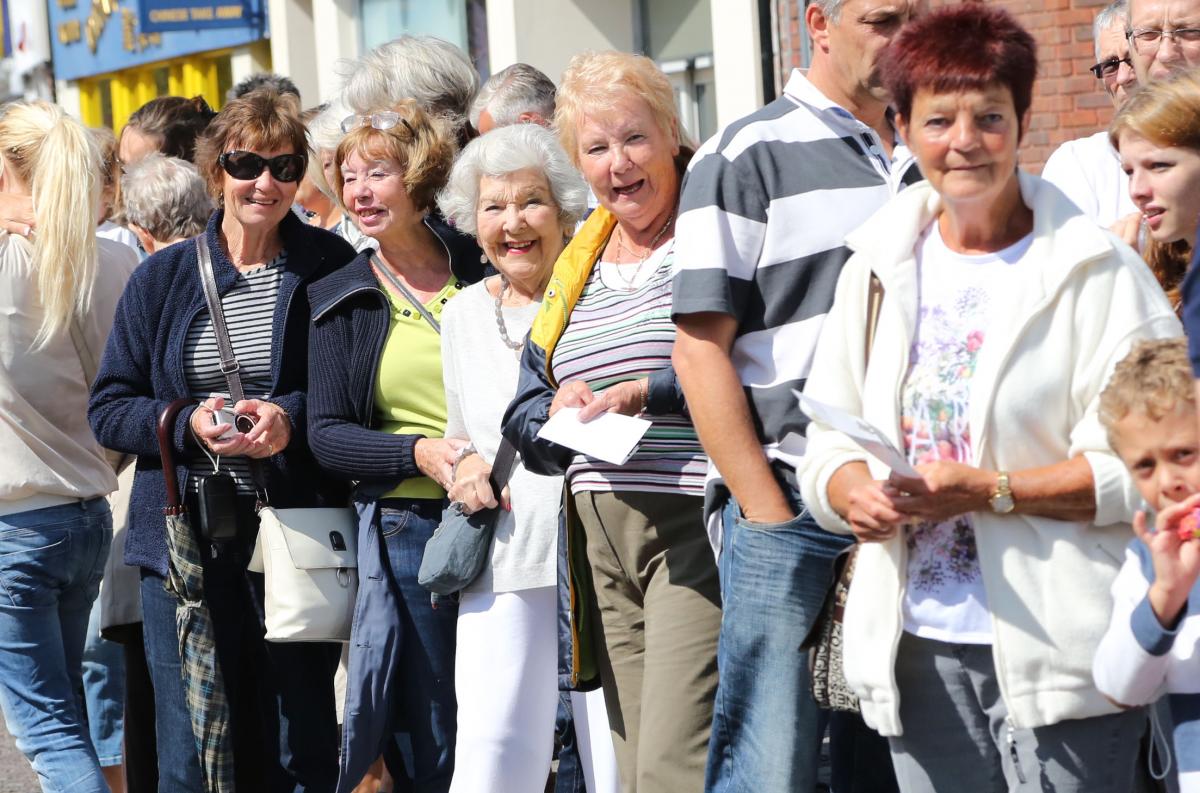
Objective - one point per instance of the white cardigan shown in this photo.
(1033, 403)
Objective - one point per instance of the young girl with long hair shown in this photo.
(1157, 133)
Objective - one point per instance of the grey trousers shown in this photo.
(956, 736)
(659, 601)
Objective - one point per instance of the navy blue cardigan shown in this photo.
(142, 372)
(351, 317)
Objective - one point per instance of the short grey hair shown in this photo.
(831, 8)
(504, 151)
(167, 197)
(510, 92)
(434, 73)
(1114, 14)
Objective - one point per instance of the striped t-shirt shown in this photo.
(249, 308)
(613, 336)
(764, 212)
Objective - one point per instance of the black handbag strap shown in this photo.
(229, 364)
(503, 466)
(409, 296)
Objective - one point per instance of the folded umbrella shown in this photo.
(204, 688)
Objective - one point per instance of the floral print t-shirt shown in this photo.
(958, 296)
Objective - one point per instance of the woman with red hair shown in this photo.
(982, 581)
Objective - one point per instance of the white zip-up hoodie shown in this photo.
(1033, 403)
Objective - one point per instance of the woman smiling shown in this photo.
(982, 584)
(517, 192)
(377, 417)
(602, 342)
(162, 348)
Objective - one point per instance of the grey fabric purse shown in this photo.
(458, 550)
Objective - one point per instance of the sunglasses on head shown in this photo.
(381, 121)
(248, 165)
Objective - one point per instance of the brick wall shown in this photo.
(1068, 101)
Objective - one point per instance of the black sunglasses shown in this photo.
(1109, 67)
(248, 165)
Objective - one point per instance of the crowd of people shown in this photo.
(966, 563)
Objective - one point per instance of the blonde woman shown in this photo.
(635, 543)
(55, 524)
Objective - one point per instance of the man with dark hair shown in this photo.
(759, 246)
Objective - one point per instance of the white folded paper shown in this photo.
(861, 431)
(610, 437)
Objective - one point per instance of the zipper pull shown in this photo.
(1011, 737)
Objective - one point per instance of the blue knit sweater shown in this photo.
(142, 372)
(351, 316)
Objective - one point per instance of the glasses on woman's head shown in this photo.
(1109, 66)
(248, 165)
(1147, 40)
(381, 121)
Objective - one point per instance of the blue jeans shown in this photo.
(774, 577)
(285, 737)
(51, 563)
(426, 708)
(104, 692)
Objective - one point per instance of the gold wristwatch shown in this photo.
(1002, 497)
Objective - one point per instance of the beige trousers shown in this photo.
(659, 603)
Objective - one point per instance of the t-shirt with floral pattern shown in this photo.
(958, 295)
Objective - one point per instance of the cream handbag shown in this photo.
(309, 558)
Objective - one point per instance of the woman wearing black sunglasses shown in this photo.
(163, 348)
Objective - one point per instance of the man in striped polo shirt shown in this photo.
(764, 210)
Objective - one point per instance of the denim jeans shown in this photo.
(426, 707)
(774, 577)
(104, 692)
(51, 563)
(285, 737)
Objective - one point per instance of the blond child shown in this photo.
(1150, 648)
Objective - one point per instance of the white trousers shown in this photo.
(506, 681)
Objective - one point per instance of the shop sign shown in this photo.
(92, 37)
(163, 15)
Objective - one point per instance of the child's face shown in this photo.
(1162, 455)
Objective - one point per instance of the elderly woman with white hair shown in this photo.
(518, 194)
(166, 200)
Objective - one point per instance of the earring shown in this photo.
(483, 259)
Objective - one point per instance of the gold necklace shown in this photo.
(630, 283)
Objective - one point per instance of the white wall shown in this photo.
(293, 43)
(336, 23)
(736, 63)
(546, 33)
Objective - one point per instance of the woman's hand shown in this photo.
(1176, 560)
(16, 214)
(945, 490)
(864, 503)
(272, 430)
(571, 394)
(471, 487)
(627, 398)
(435, 457)
(209, 434)
(1129, 229)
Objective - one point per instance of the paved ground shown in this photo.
(15, 774)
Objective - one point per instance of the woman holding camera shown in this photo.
(163, 348)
